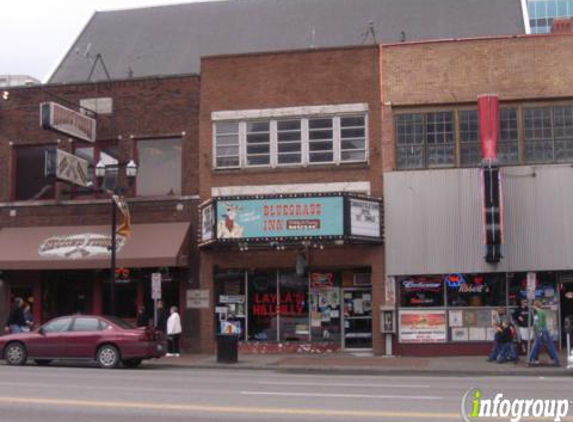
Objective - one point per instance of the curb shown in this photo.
(525, 372)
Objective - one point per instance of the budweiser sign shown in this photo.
(79, 246)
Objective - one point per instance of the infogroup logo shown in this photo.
(475, 407)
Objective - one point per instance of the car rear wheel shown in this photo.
(131, 363)
(42, 362)
(108, 356)
(15, 354)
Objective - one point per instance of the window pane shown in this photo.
(288, 136)
(320, 134)
(86, 324)
(227, 151)
(31, 182)
(353, 144)
(227, 140)
(159, 168)
(226, 127)
(258, 149)
(352, 133)
(258, 143)
(440, 155)
(293, 307)
(263, 316)
(320, 146)
(410, 157)
(538, 135)
(320, 157)
(57, 326)
(289, 147)
(289, 158)
(439, 128)
(288, 125)
(258, 160)
(319, 123)
(352, 121)
(353, 156)
(227, 162)
(257, 126)
(227, 144)
(470, 148)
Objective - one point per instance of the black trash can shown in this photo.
(227, 348)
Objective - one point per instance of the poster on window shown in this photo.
(364, 218)
(422, 326)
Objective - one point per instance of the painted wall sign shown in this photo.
(280, 217)
(67, 167)
(79, 246)
(365, 218)
(56, 117)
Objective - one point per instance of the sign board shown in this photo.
(388, 320)
(531, 284)
(207, 223)
(79, 246)
(422, 326)
(156, 286)
(198, 299)
(365, 218)
(67, 167)
(280, 217)
(61, 119)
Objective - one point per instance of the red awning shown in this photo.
(79, 247)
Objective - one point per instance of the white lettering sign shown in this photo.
(79, 246)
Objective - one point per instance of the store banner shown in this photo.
(365, 218)
(422, 326)
(280, 217)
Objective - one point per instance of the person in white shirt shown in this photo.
(173, 332)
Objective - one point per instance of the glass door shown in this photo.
(357, 326)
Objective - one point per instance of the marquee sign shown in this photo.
(287, 218)
(79, 246)
(61, 119)
(67, 167)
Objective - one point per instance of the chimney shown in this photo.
(562, 26)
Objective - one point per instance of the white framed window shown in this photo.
(273, 138)
(227, 154)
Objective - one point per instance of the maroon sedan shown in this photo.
(108, 341)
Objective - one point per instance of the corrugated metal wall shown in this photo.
(434, 224)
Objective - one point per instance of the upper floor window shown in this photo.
(425, 140)
(548, 134)
(450, 138)
(159, 167)
(30, 181)
(107, 152)
(290, 141)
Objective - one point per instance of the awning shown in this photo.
(83, 247)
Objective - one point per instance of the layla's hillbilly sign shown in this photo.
(77, 246)
(67, 121)
(67, 167)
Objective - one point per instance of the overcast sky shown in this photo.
(35, 34)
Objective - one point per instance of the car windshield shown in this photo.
(121, 323)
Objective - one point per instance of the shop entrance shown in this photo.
(66, 293)
(357, 318)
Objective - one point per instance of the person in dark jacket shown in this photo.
(162, 317)
(16, 321)
(521, 318)
(507, 352)
(142, 317)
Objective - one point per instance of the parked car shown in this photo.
(106, 340)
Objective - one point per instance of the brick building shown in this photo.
(153, 121)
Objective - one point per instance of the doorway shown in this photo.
(357, 324)
(566, 299)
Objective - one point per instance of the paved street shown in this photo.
(156, 392)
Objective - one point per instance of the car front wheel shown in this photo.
(15, 354)
(108, 356)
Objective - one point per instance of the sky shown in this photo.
(36, 34)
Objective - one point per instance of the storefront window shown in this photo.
(293, 307)
(263, 301)
(325, 306)
(422, 292)
(475, 290)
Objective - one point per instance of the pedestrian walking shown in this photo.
(497, 325)
(521, 318)
(542, 336)
(507, 351)
(16, 321)
(173, 332)
(28, 317)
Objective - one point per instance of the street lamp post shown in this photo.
(116, 193)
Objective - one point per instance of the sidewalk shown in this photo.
(367, 364)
